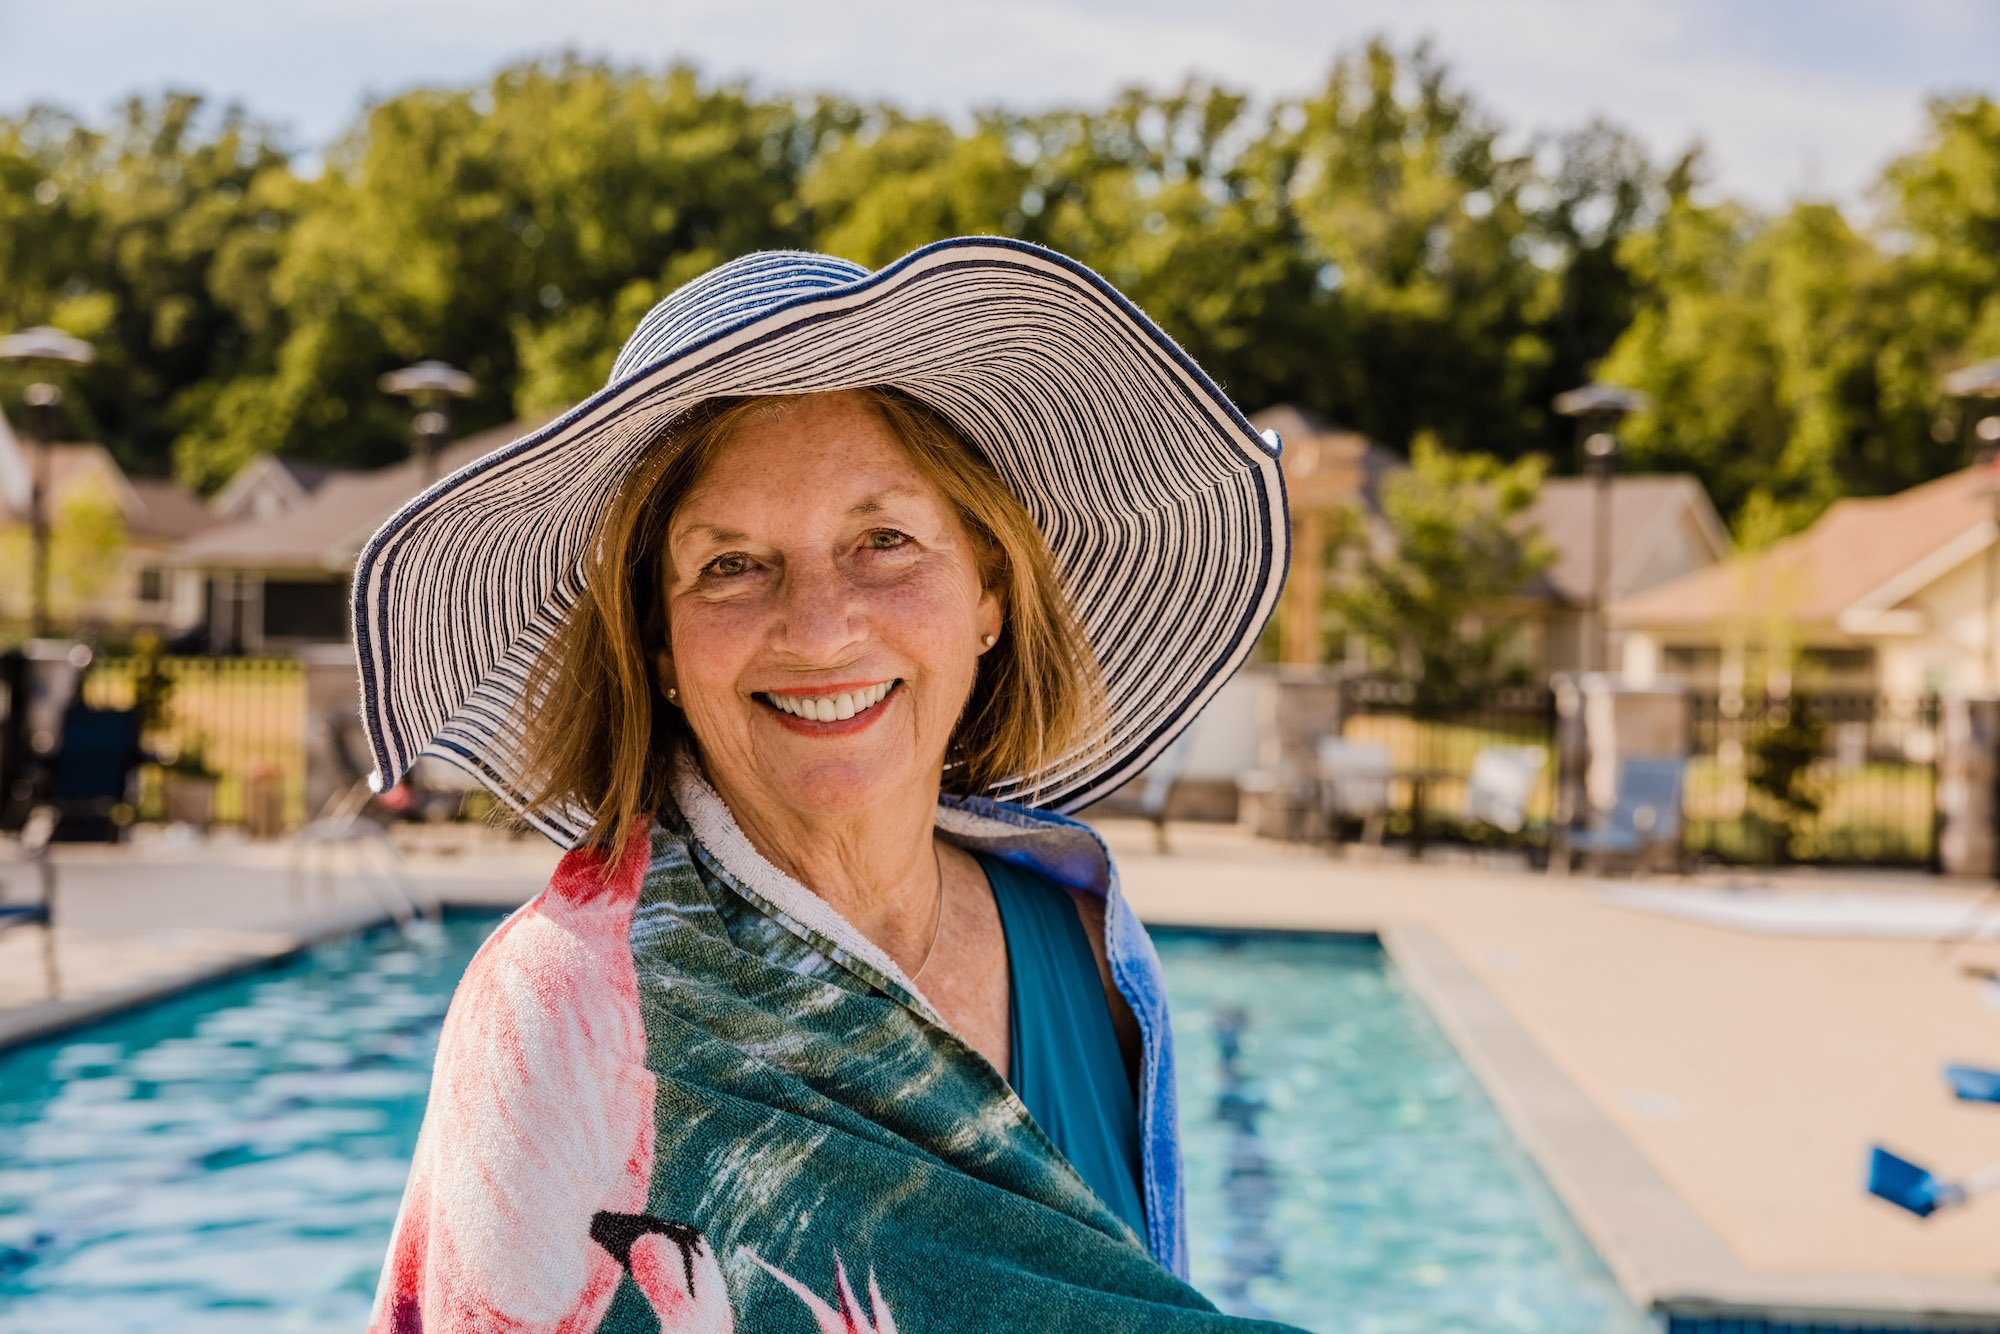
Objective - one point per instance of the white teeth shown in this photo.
(831, 708)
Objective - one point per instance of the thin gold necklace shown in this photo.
(937, 920)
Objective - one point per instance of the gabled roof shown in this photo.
(1863, 555)
(292, 480)
(153, 509)
(1643, 508)
(167, 511)
(327, 530)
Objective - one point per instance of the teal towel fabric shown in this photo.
(1064, 1058)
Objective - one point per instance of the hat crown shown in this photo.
(726, 296)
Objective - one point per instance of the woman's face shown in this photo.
(825, 614)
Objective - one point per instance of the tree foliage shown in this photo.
(1378, 250)
(1430, 592)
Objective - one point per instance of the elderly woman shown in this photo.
(798, 635)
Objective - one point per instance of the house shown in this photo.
(1892, 595)
(275, 577)
(111, 535)
(1660, 527)
(1330, 471)
(268, 485)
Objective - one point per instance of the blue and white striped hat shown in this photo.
(1163, 506)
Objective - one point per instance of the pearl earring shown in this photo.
(673, 695)
(986, 640)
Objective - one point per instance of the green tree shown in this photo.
(1417, 225)
(1430, 592)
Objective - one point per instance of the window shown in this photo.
(310, 609)
(1694, 661)
(152, 584)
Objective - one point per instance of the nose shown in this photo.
(819, 616)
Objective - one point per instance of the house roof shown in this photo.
(1327, 464)
(327, 530)
(1642, 506)
(154, 509)
(1863, 554)
(167, 511)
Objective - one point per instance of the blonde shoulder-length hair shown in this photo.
(601, 738)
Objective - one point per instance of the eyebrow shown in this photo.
(867, 505)
(873, 504)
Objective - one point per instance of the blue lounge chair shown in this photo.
(1644, 820)
(1909, 1186)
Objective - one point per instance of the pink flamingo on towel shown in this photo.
(540, 1116)
(528, 1232)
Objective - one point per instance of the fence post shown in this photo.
(1968, 785)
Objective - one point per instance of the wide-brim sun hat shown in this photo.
(1163, 507)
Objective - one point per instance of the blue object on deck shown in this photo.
(1972, 1084)
(1906, 1185)
(1645, 814)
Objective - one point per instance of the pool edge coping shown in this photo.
(44, 1019)
(1664, 1255)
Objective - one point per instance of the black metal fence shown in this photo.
(228, 735)
(1432, 758)
(1832, 778)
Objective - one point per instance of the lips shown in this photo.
(835, 706)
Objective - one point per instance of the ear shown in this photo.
(990, 614)
(663, 669)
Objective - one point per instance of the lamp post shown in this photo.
(1598, 408)
(1976, 390)
(44, 352)
(430, 386)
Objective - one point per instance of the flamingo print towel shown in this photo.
(668, 1097)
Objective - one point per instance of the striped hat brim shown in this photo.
(1163, 507)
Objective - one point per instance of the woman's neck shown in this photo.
(876, 865)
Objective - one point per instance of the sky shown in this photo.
(1792, 97)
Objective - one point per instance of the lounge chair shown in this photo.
(1501, 785)
(82, 793)
(1354, 779)
(1644, 821)
(1163, 775)
(356, 819)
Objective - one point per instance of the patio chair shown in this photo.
(1163, 775)
(1354, 785)
(1644, 820)
(33, 836)
(83, 792)
(356, 819)
(1501, 785)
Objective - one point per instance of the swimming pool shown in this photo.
(232, 1159)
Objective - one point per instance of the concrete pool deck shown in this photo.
(1702, 1098)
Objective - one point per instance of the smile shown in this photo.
(837, 706)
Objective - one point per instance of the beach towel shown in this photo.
(680, 1093)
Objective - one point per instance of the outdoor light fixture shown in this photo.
(44, 351)
(1598, 408)
(1976, 391)
(430, 386)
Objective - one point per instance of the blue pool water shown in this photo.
(232, 1160)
